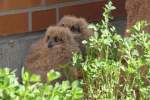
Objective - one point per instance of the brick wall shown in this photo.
(23, 16)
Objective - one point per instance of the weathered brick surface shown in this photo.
(42, 19)
(90, 11)
(120, 8)
(59, 1)
(15, 23)
(15, 4)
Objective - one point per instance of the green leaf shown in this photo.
(65, 85)
(53, 75)
(131, 70)
(35, 78)
(25, 77)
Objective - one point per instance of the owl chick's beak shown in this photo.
(50, 44)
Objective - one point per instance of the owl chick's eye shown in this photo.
(48, 38)
(56, 39)
(61, 39)
(72, 29)
(63, 25)
(75, 29)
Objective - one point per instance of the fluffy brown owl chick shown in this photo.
(52, 52)
(79, 28)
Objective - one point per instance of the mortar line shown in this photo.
(57, 15)
(30, 21)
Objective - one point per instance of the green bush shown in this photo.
(113, 64)
(32, 89)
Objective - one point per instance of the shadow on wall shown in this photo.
(120, 24)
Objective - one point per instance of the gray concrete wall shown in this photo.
(14, 48)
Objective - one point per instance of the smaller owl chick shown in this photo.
(79, 28)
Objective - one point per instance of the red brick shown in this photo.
(120, 8)
(90, 11)
(42, 19)
(12, 24)
(58, 1)
(14, 4)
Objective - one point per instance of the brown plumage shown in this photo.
(51, 52)
(79, 28)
